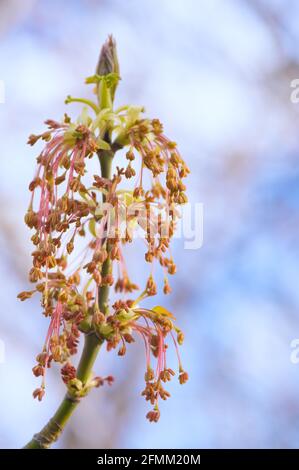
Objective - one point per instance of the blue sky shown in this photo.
(219, 79)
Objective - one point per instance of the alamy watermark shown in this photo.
(2, 92)
(2, 352)
(141, 220)
(294, 356)
(294, 97)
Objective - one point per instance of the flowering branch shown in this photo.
(75, 289)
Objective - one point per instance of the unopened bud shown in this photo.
(108, 61)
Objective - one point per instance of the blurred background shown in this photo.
(218, 75)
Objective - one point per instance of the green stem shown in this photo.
(53, 429)
(90, 351)
(51, 432)
(105, 157)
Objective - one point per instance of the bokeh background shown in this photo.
(218, 73)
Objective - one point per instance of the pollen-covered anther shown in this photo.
(150, 393)
(125, 285)
(122, 305)
(157, 126)
(68, 372)
(166, 289)
(171, 268)
(32, 139)
(70, 247)
(183, 377)
(51, 261)
(164, 394)
(154, 343)
(153, 416)
(89, 296)
(138, 192)
(130, 155)
(180, 337)
(25, 295)
(38, 370)
(35, 183)
(149, 256)
(149, 375)
(39, 393)
(74, 278)
(46, 136)
(35, 239)
(35, 275)
(53, 124)
(75, 184)
(60, 179)
(182, 198)
(113, 342)
(31, 219)
(97, 277)
(101, 380)
(129, 172)
(166, 375)
(109, 379)
(90, 267)
(107, 280)
(122, 350)
(151, 286)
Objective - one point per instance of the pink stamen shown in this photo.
(176, 349)
(54, 326)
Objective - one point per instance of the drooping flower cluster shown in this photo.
(65, 207)
(154, 327)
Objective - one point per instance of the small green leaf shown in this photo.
(93, 79)
(162, 311)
